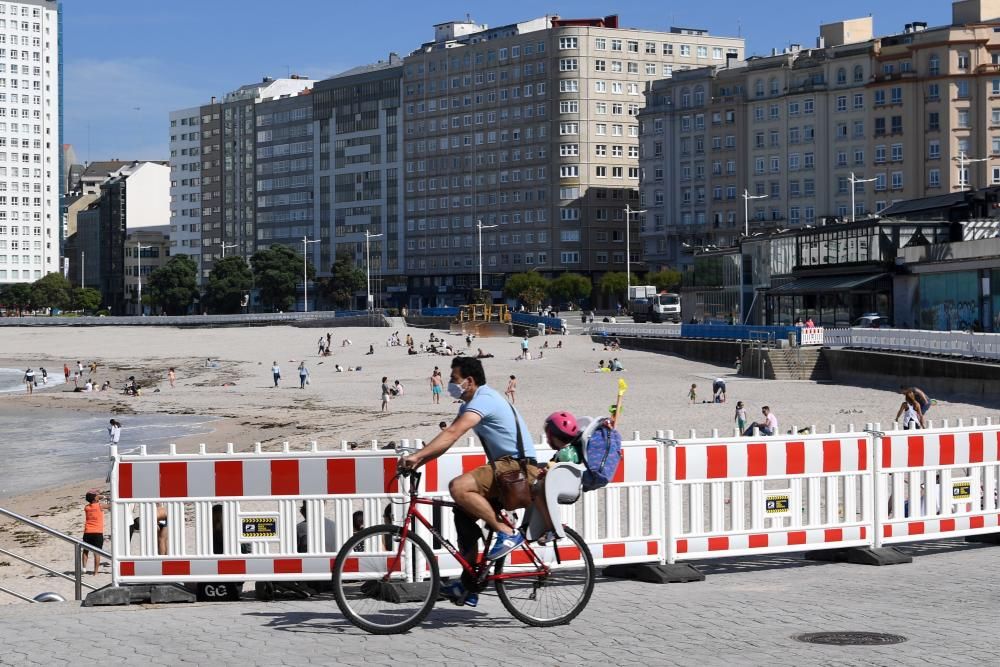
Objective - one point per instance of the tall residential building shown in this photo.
(531, 128)
(915, 112)
(360, 175)
(30, 140)
(185, 183)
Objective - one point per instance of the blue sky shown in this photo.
(129, 62)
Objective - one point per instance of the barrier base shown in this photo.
(989, 538)
(862, 556)
(654, 573)
(161, 594)
(267, 591)
(108, 596)
(138, 593)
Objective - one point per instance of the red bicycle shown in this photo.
(386, 577)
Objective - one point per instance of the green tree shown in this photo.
(17, 297)
(229, 279)
(51, 291)
(278, 270)
(668, 280)
(345, 280)
(615, 285)
(570, 287)
(86, 299)
(528, 287)
(174, 286)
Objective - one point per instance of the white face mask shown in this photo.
(455, 390)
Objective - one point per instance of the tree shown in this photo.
(229, 280)
(345, 280)
(668, 280)
(278, 270)
(570, 287)
(86, 299)
(615, 284)
(528, 287)
(17, 297)
(51, 291)
(174, 286)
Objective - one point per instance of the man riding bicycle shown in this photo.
(497, 423)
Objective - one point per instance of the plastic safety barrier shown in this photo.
(962, 344)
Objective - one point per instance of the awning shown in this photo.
(825, 284)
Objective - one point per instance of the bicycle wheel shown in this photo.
(375, 589)
(549, 599)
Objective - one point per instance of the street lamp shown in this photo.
(746, 209)
(138, 258)
(305, 273)
(224, 246)
(853, 180)
(368, 267)
(628, 247)
(962, 161)
(480, 226)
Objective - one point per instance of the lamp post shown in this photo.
(628, 248)
(305, 273)
(83, 256)
(224, 246)
(962, 162)
(368, 267)
(853, 180)
(138, 259)
(746, 209)
(480, 226)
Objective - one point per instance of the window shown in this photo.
(842, 103)
(567, 43)
(933, 91)
(880, 98)
(859, 74)
(879, 127)
(963, 118)
(896, 95)
(568, 65)
(569, 257)
(808, 106)
(897, 180)
(569, 150)
(841, 76)
(859, 101)
(934, 178)
(569, 128)
(569, 171)
(933, 121)
(963, 60)
(569, 86)
(897, 125)
(569, 106)
(934, 65)
(600, 65)
(934, 149)
(962, 89)
(601, 44)
(897, 152)
(685, 50)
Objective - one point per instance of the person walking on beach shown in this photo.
(93, 528)
(79, 368)
(922, 399)
(524, 347)
(66, 372)
(275, 372)
(693, 394)
(114, 431)
(511, 389)
(29, 380)
(437, 386)
(303, 375)
(172, 377)
(386, 394)
(45, 375)
(321, 343)
(741, 416)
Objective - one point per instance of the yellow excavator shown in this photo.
(482, 319)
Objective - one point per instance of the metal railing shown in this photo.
(78, 547)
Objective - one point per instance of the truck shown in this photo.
(647, 305)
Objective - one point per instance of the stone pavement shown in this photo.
(947, 603)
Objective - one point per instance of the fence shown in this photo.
(251, 319)
(942, 343)
(280, 516)
(804, 336)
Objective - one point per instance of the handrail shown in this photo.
(78, 547)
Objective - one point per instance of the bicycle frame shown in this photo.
(480, 569)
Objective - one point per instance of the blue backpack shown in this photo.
(603, 453)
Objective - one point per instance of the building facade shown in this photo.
(185, 183)
(530, 130)
(890, 118)
(30, 140)
(146, 250)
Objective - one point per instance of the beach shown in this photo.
(233, 400)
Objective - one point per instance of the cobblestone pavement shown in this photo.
(947, 603)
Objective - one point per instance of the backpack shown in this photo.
(602, 454)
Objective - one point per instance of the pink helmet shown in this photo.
(563, 424)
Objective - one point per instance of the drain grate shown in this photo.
(850, 638)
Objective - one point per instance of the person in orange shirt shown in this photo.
(93, 527)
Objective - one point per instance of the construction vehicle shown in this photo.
(646, 305)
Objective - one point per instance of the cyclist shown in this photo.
(496, 422)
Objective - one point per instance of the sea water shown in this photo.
(12, 379)
(50, 448)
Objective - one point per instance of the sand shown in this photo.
(346, 406)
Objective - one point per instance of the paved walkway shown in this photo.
(946, 603)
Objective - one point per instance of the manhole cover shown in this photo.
(850, 638)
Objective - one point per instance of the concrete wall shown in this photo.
(723, 353)
(935, 376)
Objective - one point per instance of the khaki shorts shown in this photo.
(486, 482)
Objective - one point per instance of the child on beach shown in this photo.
(511, 389)
(693, 394)
(741, 416)
(275, 372)
(114, 431)
(93, 527)
(171, 377)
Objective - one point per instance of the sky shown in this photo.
(128, 63)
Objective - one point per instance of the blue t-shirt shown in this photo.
(496, 428)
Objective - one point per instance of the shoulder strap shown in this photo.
(520, 440)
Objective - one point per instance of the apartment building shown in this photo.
(897, 117)
(529, 130)
(359, 176)
(146, 250)
(185, 183)
(30, 139)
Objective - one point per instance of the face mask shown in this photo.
(455, 390)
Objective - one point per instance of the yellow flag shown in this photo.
(621, 387)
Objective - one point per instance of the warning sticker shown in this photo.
(961, 491)
(777, 505)
(259, 527)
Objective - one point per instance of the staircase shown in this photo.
(799, 363)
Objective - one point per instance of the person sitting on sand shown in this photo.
(371, 350)
(410, 351)
(338, 368)
(482, 355)
(559, 345)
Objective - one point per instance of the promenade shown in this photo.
(946, 603)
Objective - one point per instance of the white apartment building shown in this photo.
(185, 183)
(30, 141)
